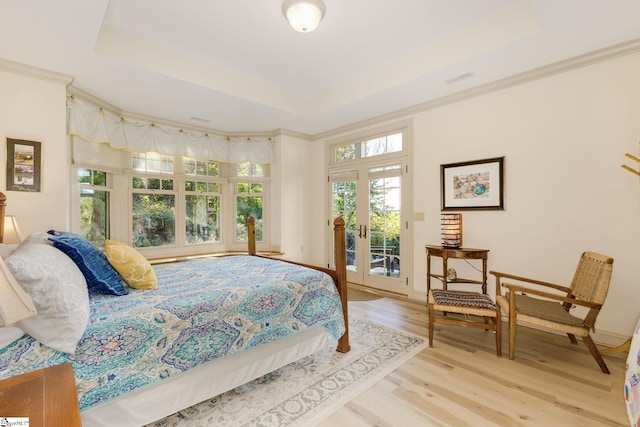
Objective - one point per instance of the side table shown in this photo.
(46, 396)
(460, 253)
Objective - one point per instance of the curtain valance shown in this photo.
(96, 124)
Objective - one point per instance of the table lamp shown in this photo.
(451, 230)
(12, 233)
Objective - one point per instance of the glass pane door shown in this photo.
(344, 199)
(373, 221)
(384, 223)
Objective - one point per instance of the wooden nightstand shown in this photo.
(460, 253)
(47, 397)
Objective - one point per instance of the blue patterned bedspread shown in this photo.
(203, 310)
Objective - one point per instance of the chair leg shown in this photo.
(595, 353)
(512, 324)
(430, 325)
(512, 331)
(498, 321)
(572, 338)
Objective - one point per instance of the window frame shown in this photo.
(234, 180)
(173, 192)
(219, 194)
(121, 205)
(77, 192)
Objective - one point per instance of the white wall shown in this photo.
(292, 197)
(564, 139)
(35, 109)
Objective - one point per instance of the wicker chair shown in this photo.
(588, 289)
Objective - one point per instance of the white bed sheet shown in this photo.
(168, 397)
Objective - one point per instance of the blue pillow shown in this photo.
(63, 233)
(101, 277)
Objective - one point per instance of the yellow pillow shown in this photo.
(134, 268)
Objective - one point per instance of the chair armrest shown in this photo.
(527, 280)
(555, 297)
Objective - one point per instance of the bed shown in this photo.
(632, 379)
(211, 325)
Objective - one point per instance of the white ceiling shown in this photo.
(239, 66)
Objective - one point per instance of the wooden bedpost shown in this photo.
(3, 204)
(251, 234)
(339, 275)
(341, 270)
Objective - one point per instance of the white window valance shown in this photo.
(98, 125)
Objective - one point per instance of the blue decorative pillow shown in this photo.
(101, 277)
(63, 233)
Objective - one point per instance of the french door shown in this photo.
(370, 197)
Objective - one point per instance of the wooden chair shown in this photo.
(468, 304)
(543, 308)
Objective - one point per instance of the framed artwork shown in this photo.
(23, 165)
(475, 185)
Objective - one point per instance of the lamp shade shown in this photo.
(15, 303)
(12, 233)
(451, 230)
(303, 15)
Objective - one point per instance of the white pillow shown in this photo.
(9, 334)
(59, 292)
(6, 249)
(38, 237)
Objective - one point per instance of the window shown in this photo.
(200, 167)
(153, 201)
(94, 205)
(151, 163)
(250, 170)
(153, 219)
(248, 203)
(202, 212)
(249, 199)
(202, 201)
(170, 205)
(369, 147)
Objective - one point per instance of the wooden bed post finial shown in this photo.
(251, 234)
(339, 238)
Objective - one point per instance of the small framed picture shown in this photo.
(474, 185)
(23, 165)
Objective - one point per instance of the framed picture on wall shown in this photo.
(474, 185)
(23, 165)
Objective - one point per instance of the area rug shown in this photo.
(305, 392)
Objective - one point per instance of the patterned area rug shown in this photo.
(305, 392)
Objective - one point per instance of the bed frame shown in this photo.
(339, 275)
(152, 403)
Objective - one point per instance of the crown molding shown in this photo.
(591, 58)
(291, 133)
(34, 72)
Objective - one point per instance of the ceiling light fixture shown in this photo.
(303, 15)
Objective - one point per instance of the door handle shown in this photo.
(365, 231)
(360, 231)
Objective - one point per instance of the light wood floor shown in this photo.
(461, 382)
